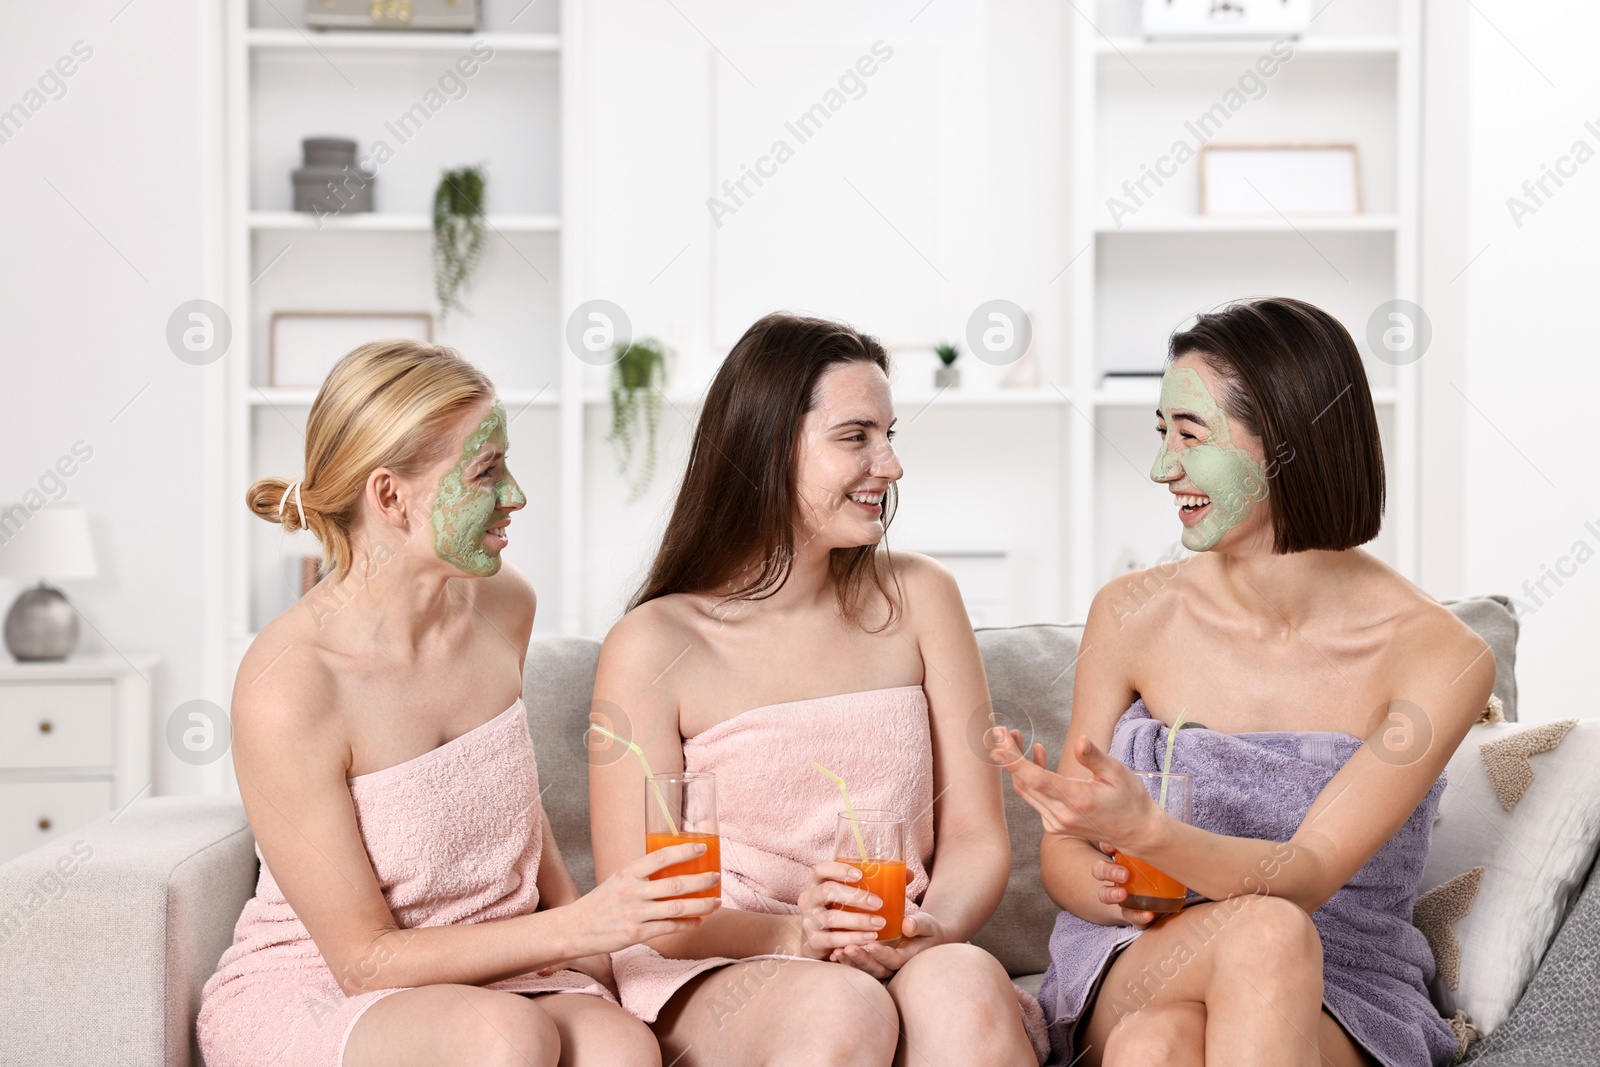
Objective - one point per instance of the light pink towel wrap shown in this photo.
(453, 835)
(777, 815)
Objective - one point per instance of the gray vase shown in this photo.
(331, 182)
(947, 377)
(41, 625)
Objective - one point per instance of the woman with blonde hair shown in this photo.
(413, 907)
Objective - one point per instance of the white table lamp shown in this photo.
(51, 544)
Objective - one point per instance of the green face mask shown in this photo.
(465, 506)
(1233, 480)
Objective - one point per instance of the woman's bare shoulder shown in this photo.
(287, 684)
(1424, 630)
(647, 631)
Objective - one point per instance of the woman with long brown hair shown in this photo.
(775, 631)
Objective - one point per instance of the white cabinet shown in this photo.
(74, 744)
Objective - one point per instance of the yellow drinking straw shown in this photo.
(849, 809)
(1166, 762)
(649, 776)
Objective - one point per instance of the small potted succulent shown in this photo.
(948, 375)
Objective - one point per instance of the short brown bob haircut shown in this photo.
(1294, 379)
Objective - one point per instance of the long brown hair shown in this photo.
(734, 520)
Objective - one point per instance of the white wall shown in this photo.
(936, 186)
(102, 238)
(1529, 457)
(82, 327)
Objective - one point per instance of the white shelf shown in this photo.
(273, 396)
(907, 401)
(390, 222)
(1254, 224)
(261, 40)
(1032, 396)
(1233, 47)
(1125, 396)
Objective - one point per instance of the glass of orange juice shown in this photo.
(883, 870)
(690, 799)
(1148, 888)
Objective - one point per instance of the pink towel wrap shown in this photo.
(453, 835)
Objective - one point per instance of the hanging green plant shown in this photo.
(637, 379)
(458, 234)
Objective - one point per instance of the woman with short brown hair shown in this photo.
(1297, 650)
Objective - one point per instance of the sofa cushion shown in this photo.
(1517, 832)
(557, 685)
(1031, 670)
(1496, 622)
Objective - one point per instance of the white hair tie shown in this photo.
(295, 489)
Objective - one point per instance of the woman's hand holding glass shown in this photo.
(630, 907)
(825, 930)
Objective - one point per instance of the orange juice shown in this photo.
(885, 879)
(1150, 889)
(705, 864)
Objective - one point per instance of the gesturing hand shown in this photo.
(628, 908)
(1110, 805)
(824, 930)
(917, 932)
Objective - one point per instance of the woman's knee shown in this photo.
(1268, 935)
(506, 1030)
(954, 975)
(860, 1022)
(1173, 1035)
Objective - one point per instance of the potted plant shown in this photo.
(458, 234)
(637, 379)
(947, 375)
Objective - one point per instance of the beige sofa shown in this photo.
(102, 959)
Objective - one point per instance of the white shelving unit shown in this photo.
(517, 116)
(1352, 78)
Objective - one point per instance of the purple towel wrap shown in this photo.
(1376, 964)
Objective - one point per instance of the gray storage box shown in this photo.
(392, 14)
(331, 182)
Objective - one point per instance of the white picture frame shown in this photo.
(1271, 180)
(304, 345)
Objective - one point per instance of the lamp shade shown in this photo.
(51, 543)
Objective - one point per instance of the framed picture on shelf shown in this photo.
(1286, 179)
(304, 345)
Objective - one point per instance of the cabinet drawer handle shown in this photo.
(44, 823)
(45, 726)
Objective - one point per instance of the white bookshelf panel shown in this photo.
(1135, 522)
(374, 96)
(1146, 110)
(1149, 284)
(1346, 18)
(512, 325)
(987, 482)
(499, 16)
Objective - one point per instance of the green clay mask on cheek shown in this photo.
(1232, 479)
(466, 506)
